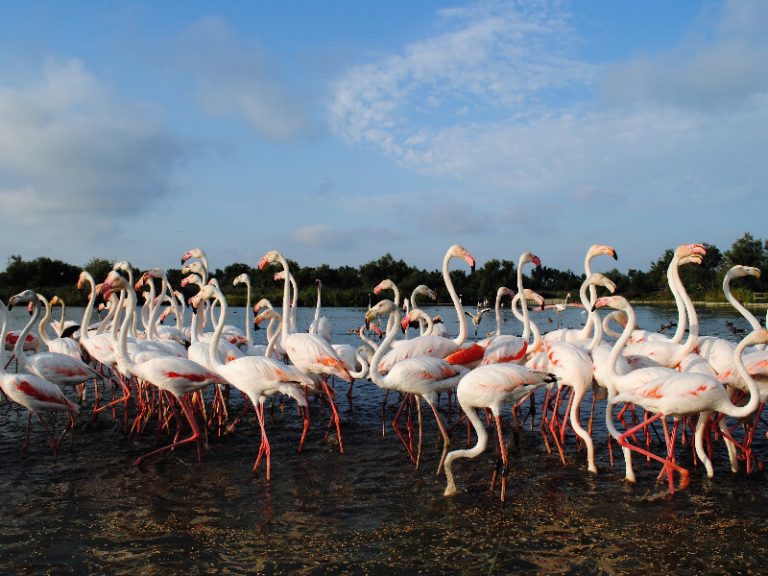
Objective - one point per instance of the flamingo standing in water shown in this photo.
(438, 346)
(256, 376)
(60, 369)
(36, 394)
(422, 376)
(310, 353)
(670, 393)
(491, 386)
(171, 374)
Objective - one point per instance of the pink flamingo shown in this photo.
(422, 376)
(437, 346)
(171, 374)
(256, 376)
(491, 386)
(36, 394)
(676, 394)
(310, 353)
(60, 369)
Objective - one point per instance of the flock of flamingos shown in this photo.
(704, 385)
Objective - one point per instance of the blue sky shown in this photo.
(338, 131)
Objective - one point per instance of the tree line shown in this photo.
(350, 286)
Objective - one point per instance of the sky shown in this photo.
(339, 131)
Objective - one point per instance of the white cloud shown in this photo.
(680, 126)
(70, 153)
(235, 78)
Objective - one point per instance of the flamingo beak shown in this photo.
(263, 263)
(536, 260)
(614, 254)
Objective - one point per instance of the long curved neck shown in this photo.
(248, 312)
(89, 307)
(754, 392)
(42, 327)
(374, 374)
(317, 307)
(476, 450)
(284, 328)
(748, 316)
(273, 335)
(677, 289)
(459, 340)
(294, 300)
(612, 375)
(592, 295)
(123, 357)
(536, 344)
(497, 307)
(524, 304)
(62, 317)
(213, 349)
(693, 329)
(18, 348)
(597, 335)
(587, 302)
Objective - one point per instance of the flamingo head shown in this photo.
(458, 251)
(264, 302)
(318, 283)
(269, 258)
(384, 285)
(602, 249)
(737, 271)
(206, 292)
(82, 279)
(382, 307)
(242, 279)
(191, 279)
(113, 282)
(55, 300)
(618, 302)
(195, 267)
(279, 276)
(122, 265)
(28, 296)
(598, 279)
(194, 253)
(690, 249)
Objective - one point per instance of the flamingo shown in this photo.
(67, 345)
(310, 353)
(171, 374)
(669, 353)
(676, 394)
(431, 345)
(422, 376)
(36, 394)
(568, 334)
(320, 325)
(62, 326)
(256, 376)
(508, 348)
(60, 369)
(491, 386)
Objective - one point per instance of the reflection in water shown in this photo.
(367, 511)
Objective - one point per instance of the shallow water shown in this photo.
(368, 511)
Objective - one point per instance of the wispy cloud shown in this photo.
(520, 121)
(71, 153)
(234, 78)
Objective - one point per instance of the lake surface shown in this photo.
(368, 511)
